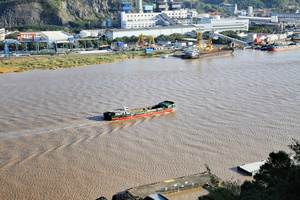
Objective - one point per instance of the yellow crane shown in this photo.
(209, 42)
(143, 38)
(199, 43)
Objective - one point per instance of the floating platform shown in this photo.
(165, 187)
(251, 168)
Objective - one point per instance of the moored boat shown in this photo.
(280, 47)
(126, 113)
(201, 50)
(195, 54)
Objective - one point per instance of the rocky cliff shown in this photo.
(52, 12)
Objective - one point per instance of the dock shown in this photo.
(180, 184)
(251, 168)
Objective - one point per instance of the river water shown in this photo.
(230, 110)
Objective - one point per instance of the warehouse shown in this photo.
(216, 24)
(156, 31)
(56, 36)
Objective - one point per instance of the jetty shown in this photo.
(180, 184)
(251, 168)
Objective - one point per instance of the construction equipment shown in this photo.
(143, 38)
(121, 48)
(199, 43)
(257, 40)
(209, 42)
(6, 47)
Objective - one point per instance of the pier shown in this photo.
(167, 187)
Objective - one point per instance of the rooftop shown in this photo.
(251, 168)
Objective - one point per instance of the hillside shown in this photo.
(52, 12)
(60, 12)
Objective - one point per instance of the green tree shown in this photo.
(219, 193)
(277, 179)
(295, 146)
(12, 36)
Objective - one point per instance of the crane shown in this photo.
(209, 42)
(257, 40)
(142, 38)
(199, 44)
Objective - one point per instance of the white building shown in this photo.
(256, 20)
(56, 36)
(217, 25)
(155, 31)
(92, 32)
(152, 19)
(2, 34)
(288, 15)
(220, 25)
(250, 11)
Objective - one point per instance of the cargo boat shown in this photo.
(204, 51)
(194, 53)
(126, 113)
(278, 47)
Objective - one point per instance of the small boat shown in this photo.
(280, 47)
(164, 56)
(257, 48)
(126, 113)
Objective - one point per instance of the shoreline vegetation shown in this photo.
(69, 61)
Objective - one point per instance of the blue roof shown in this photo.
(125, 2)
(127, 8)
(147, 7)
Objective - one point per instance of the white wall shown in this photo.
(2, 34)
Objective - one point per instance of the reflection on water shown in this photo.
(229, 111)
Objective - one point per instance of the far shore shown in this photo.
(69, 61)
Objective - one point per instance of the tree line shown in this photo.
(277, 179)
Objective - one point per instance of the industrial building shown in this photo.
(219, 25)
(169, 18)
(216, 24)
(287, 15)
(29, 36)
(259, 20)
(152, 19)
(155, 31)
(168, 13)
(2, 34)
(56, 36)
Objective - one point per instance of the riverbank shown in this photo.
(69, 61)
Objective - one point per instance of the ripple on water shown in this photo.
(230, 110)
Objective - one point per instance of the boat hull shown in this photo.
(141, 115)
(282, 48)
(125, 113)
(208, 54)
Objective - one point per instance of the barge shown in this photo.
(126, 113)
(279, 47)
(195, 54)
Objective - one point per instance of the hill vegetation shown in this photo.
(86, 13)
(277, 179)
